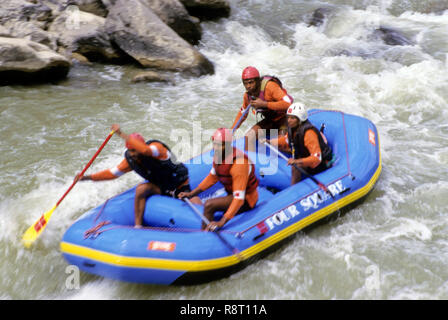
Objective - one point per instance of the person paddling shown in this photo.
(308, 146)
(235, 171)
(155, 163)
(267, 95)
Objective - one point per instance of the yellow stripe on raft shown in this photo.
(212, 264)
(147, 263)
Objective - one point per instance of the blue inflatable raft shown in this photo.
(173, 249)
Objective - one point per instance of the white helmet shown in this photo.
(298, 109)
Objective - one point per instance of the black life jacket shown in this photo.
(166, 174)
(298, 149)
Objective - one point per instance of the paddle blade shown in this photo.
(36, 229)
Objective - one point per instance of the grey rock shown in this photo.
(174, 14)
(29, 30)
(25, 61)
(392, 37)
(140, 33)
(4, 32)
(84, 33)
(319, 17)
(95, 7)
(22, 10)
(150, 76)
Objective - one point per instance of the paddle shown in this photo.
(320, 184)
(206, 221)
(36, 229)
(241, 118)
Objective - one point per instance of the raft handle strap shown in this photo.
(94, 231)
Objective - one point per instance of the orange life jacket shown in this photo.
(266, 113)
(224, 176)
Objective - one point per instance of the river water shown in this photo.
(393, 246)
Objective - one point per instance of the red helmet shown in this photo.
(223, 135)
(136, 136)
(250, 73)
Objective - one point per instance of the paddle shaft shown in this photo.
(241, 118)
(87, 166)
(320, 184)
(206, 221)
(36, 229)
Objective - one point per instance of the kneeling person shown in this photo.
(153, 161)
(235, 171)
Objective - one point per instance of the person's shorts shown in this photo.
(280, 124)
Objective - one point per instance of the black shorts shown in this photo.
(268, 123)
(280, 124)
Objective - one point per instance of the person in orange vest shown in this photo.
(154, 162)
(236, 172)
(267, 95)
(308, 146)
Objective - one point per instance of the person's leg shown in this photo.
(196, 200)
(216, 204)
(258, 131)
(187, 188)
(142, 192)
(250, 139)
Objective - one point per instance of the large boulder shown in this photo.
(30, 31)
(174, 14)
(139, 32)
(4, 32)
(27, 19)
(84, 33)
(319, 16)
(24, 61)
(22, 10)
(392, 37)
(207, 9)
(95, 7)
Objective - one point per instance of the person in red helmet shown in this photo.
(267, 95)
(153, 161)
(236, 172)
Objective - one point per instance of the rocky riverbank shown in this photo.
(41, 39)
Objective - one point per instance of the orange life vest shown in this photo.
(267, 113)
(224, 176)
